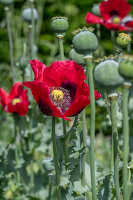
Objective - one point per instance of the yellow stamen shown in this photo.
(15, 101)
(57, 95)
(116, 20)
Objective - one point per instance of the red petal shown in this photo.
(115, 27)
(122, 7)
(78, 105)
(20, 108)
(41, 94)
(38, 68)
(92, 19)
(61, 71)
(4, 99)
(97, 94)
(129, 24)
(16, 91)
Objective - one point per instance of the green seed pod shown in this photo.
(23, 62)
(76, 57)
(106, 75)
(6, 2)
(27, 14)
(47, 164)
(85, 42)
(126, 66)
(59, 25)
(95, 10)
(123, 40)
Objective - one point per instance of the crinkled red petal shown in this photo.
(16, 91)
(19, 108)
(130, 25)
(41, 95)
(97, 94)
(122, 7)
(78, 105)
(58, 71)
(38, 68)
(115, 27)
(4, 99)
(92, 19)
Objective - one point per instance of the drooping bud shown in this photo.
(123, 40)
(27, 15)
(85, 42)
(126, 66)
(76, 57)
(106, 75)
(23, 62)
(59, 25)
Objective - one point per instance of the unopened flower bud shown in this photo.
(59, 25)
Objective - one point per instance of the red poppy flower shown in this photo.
(16, 101)
(112, 12)
(59, 89)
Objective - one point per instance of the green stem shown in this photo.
(61, 49)
(108, 111)
(16, 151)
(113, 39)
(129, 45)
(33, 31)
(92, 125)
(113, 99)
(10, 43)
(125, 139)
(50, 190)
(66, 141)
(84, 145)
(98, 31)
(56, 160)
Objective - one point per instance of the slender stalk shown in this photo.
(50, 190)
(84, 145)
(56, 160)
(126, 87)
(16, 151)
(129, 45)
(113, 99)
(92, 125)
(98, 31)
(10, 43)
(113, 39)
(61, 49)
(33, 30)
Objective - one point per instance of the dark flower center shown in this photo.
(60, 97)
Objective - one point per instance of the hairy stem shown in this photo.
(56, 160)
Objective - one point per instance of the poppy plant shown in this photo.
(113, 13)
(59, 89)
(16, 101)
